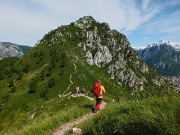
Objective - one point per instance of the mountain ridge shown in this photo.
(166, 42)
(164, 56)
(159, 43)
(8, 49)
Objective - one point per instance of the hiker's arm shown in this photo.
(103, 91)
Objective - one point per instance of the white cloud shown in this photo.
(43, 15)
(118, 14)
(164, 24)
(14, 18)
(145, 4)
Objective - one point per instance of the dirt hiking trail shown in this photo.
(67, 126)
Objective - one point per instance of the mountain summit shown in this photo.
(165, 43)
(163, 55)
(105, 48)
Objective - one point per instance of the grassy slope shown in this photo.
(140, 117)
(19, 106)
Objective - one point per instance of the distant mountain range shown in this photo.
(8, 49)
(164, 56)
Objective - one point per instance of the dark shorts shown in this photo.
(98, 100)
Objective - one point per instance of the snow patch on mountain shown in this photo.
(165, 42)
(139, 48)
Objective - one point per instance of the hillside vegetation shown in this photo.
(70, 55)
(157, 116)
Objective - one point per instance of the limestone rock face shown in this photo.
(89, 58)
(106, 47)
(84, 22)
(100, 58)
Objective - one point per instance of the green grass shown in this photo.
(48, 117)
(18, 107)
(158, 116)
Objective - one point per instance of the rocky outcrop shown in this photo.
(102, 47)
(100, 58)
(112, 49)
(10, 50)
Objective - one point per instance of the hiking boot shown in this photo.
(94, 111)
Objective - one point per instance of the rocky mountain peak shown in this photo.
(105, 48)
(165, 43)
(84, 22)
(163, 55)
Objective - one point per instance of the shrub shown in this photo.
(26, 68)
(11, 83)
(13, 89)
(44, 94)
(32, 87)
(19, 76)
(5, 98)
(51, 82)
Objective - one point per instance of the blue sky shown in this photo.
(142, 21)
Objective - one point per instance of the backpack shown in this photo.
(97, 89)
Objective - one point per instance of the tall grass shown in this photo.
(50, 117)
(157, 116)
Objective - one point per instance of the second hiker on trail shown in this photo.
(83, 90)
(77, 90)
(98, 91)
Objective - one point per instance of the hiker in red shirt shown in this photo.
(98, 91)
(77, 90)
